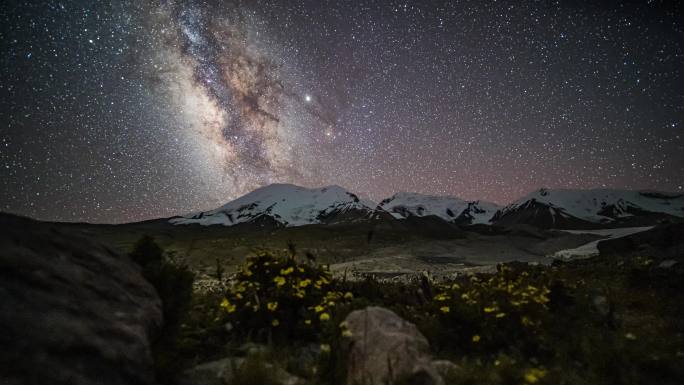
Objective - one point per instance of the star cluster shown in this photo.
(129, 110)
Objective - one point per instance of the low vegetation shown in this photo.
(173, 282)
(599, 321)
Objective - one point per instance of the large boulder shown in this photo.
(71, 310)
(385, 349)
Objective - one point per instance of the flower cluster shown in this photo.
(534, 375)
(279, 294)
(484, 305)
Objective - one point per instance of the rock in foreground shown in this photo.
(385, 348)
(71, 311)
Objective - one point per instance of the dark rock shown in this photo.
(540, 215)
(602, 305)
(224, 372)
(667, 264)
(447, 369)
(664, 241)
(211, 373)
(71, 311)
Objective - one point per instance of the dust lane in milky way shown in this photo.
(129, 110)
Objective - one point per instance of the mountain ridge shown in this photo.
(289, 205)
(591, 208)
(451, 209)
(286, 205)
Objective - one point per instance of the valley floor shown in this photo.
(361, 250)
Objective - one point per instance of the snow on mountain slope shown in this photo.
(287, 205)
(478, 212)
(591, 249)
(599, 206)
(290, 205)
(403, 205)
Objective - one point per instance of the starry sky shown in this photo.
(129, 110)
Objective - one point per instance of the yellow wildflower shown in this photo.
(534, 375)
(444, 309)
(305, 283)
(347, 333)
(229, 307)
(286, 271)
(275, 322)
(348, 296)
(319, 308)
(476, 338)
(300, 293)
(541, 299)
(272, 306)
(441, 297)
(324, 316)
(490, 309)
(325, 348)
(500, 315)
(280, 281)
(307, 321)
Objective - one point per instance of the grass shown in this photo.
(608, 320)
(202, 245)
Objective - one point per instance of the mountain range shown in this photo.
(286, 205)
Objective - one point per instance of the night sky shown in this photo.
(130, 110)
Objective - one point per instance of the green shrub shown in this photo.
(276, 296)
(146, 251)
(173, 283)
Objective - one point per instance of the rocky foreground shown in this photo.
(73, 311)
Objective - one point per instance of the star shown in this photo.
(143, 110)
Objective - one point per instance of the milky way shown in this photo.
(129, 110)
(233, 94)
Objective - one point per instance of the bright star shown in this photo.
(307, 98)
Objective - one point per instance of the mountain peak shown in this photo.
(285, 205)
(451, 209)
(575, 208)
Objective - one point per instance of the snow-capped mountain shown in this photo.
(590, 208)
(454, 210)
(287, 205)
